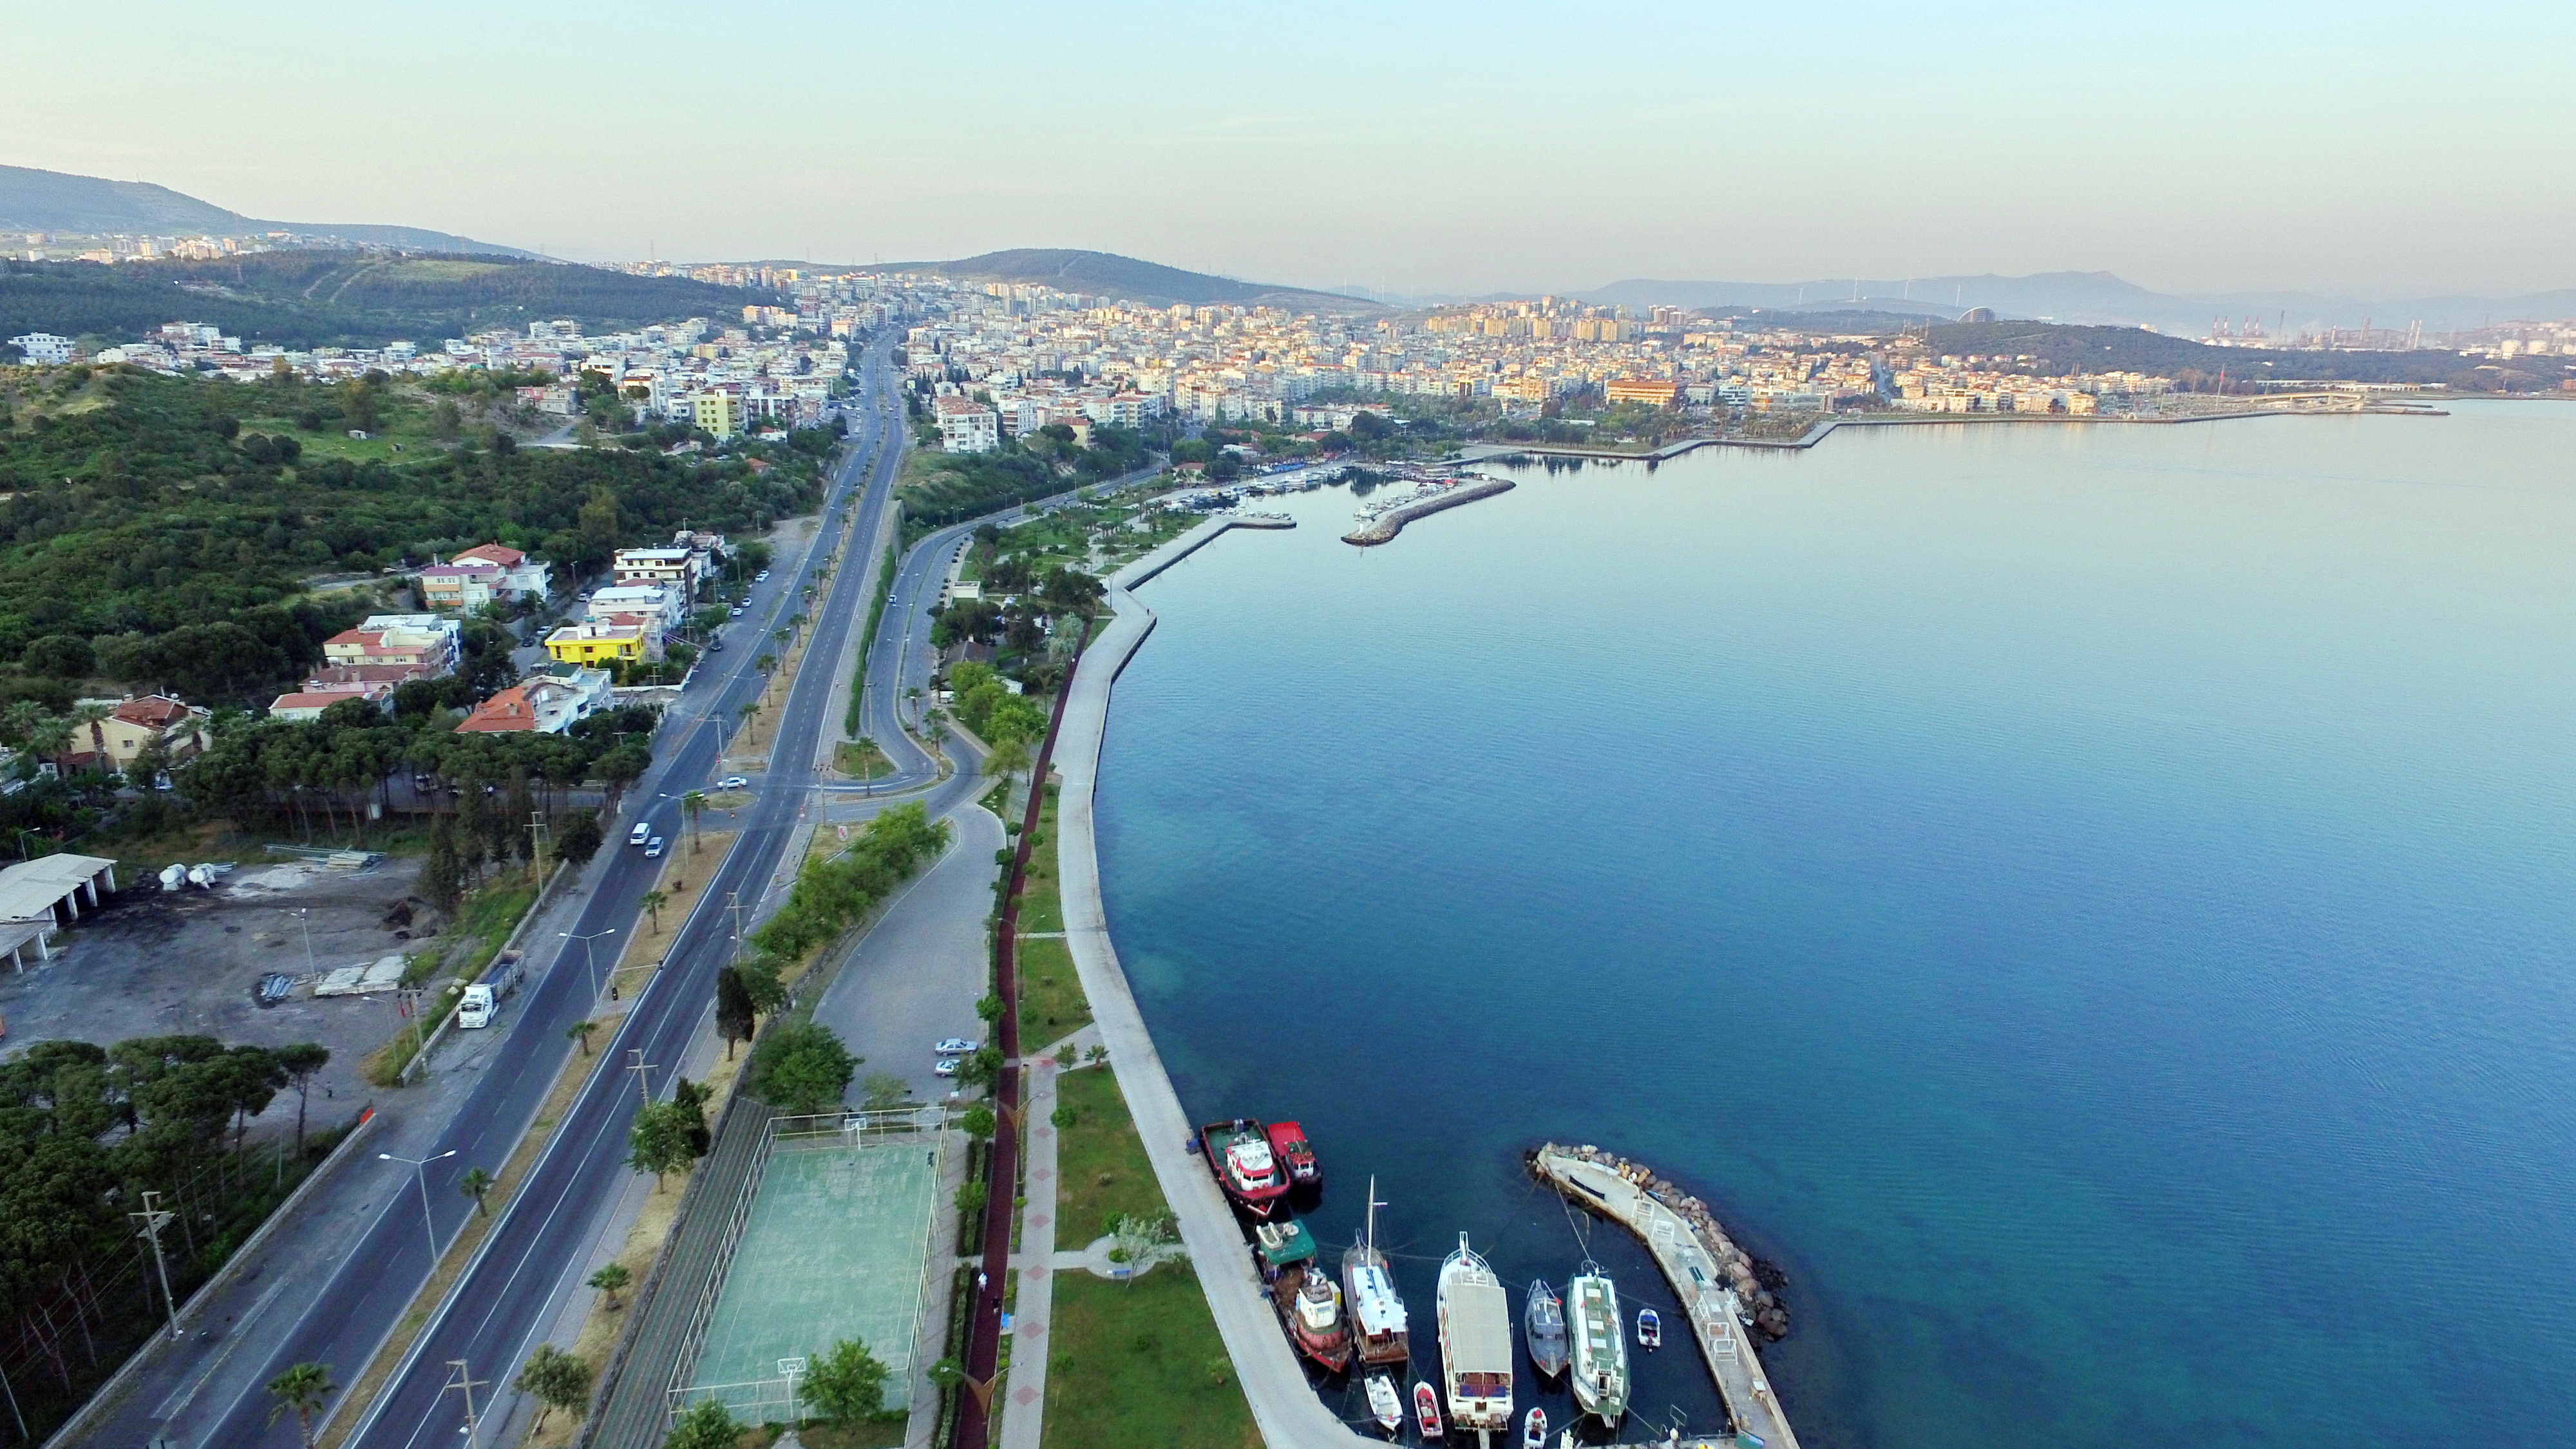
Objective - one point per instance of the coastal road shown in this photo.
(377, 1264)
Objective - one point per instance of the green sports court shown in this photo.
(832, 1249)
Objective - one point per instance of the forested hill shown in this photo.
(2199, 365)
(154, 530)
(344, 299)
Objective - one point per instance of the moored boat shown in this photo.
(1282, 1241)
(1650, 1329)
(1311, 1309)
(1426, 1411)
(1368, 1288)
(1534, 1430)
(1385, 1405)
(1475, 1342)
(1600, 1343)
(1543, 1323)
(1238, 1152)
(1289, 1145)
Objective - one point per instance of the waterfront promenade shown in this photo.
(1284, 1408)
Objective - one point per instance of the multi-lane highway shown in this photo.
(494, 1313)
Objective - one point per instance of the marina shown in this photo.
(1381, 523)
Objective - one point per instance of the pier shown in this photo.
(1387, 525)
(1699, 1275)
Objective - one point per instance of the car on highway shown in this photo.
(947, 1067)
(761, 577)
(653, 848)
(732, 782)
(955, 1046)
(642, 832)
(715, 646)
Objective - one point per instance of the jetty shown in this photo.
(1713, 1279)
(1387, 525)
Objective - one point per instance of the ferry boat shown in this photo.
(1311, 1308)
(1385, 1405)
(1476, 1342)
(1288, 1144)
(1543, 1322)
(1600, 1344)
(1238, 1152)
(1650, 1329)
(1426, 1411)
(1377, 1314)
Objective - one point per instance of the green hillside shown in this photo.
(2129, 349)
(344, 298)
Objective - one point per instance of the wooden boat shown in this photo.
(1426, 1411)
(1310, 1307)
(1368, 1288)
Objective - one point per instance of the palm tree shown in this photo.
(51, 740)
(654, 901)
(93, 717)
(693, 805)
(1007, 759)
(611, 1280)
(868, 762)
(474, 1184)
(300, 1391)
(580, 1031)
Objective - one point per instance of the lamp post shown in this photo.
(419, 1177)
(586, 962)
(304, 917)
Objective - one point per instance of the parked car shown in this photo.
(653, 848)
(761, 577)
(737, 611)
(733, 782)
(715, 646)
(947, 1067)
(955, 1046)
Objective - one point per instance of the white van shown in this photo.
(642, 832)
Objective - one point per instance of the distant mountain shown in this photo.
(32, 200)
(2089, 298)
(1109, 275)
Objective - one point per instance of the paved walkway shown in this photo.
(1285, 1410)
(1034, 1310)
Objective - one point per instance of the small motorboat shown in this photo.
(1544, 1323)
(1650, 1329)
(1534, 1430)
(1426, 1410)
(1385, 1405)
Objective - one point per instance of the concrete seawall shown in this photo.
(1285, 1410)
(1390, 523)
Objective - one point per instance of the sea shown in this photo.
(2092, 905)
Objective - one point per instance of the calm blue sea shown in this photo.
(2093, 904)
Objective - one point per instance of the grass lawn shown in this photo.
(861, 759)
(1041, 907)
(1101, 1171)
(1140, 1363)
(1052, 1006)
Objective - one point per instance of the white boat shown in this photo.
(1385, 1405)
(1600, 1342)
(1377, 1314)
(1476, 1354)
(1650, 1329)
(1534, 1430)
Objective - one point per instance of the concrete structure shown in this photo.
(306, 705)
(1663, 392)
(719, 413)
(424, 641)
(674, 566)
(966, 426)
(594, 643)
(135, 724)
(51, 890)
(667, 602)
(43, 346)
(546, 706)
(479, 575)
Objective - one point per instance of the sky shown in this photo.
(2364, 148)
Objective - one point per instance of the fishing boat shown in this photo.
(1534, 1430)
(1543, 1322)
(1426, 1411)
(1311, 1308)
(1476, 1342)
(1289, 1145)
(1377, 1314)
(1280, 1242)
(1385, 1405)
(1650, 1329)
(1600, 1343)
(1238, 1152)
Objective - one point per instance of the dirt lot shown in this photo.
(158, 963)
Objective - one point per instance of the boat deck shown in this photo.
(1706, 1299)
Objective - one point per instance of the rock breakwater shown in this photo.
(1756, 1282)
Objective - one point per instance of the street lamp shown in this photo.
(304, 917)
(428, 1231)
(585, 955)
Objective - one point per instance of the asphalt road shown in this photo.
(494, 1314)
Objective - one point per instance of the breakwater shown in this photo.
(1387, 525)
(1715, 1280)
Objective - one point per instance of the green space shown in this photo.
(943, 488)
(344, 298)
(1052, 1006)
(1041, 901)
(862, 760)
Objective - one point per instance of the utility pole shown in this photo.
(735, 897)
(304, 917)
(154, 1217)
(466, 1381)
(537, 838)
(642, 1070)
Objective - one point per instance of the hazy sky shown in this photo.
(2373, 148)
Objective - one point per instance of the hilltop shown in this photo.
(344, 298)
(2063, 350)
(1129, 279)
(57, 201)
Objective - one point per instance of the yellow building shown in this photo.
(592, 643)
(719, 413)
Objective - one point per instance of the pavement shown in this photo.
(916, 976)
(354, 1264)
(1284, 1407)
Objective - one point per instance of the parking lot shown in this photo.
(162, 963)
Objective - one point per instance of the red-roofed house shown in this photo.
(481, 574)
(540, 706)
(307, 704)
(134, 724)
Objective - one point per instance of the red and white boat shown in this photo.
(1534, 1430)
(1426, 1410)
(1288, 1144)
(1238, 1152)
(1311, 1308)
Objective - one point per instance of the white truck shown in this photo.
(483, 999)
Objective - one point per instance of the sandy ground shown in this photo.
(158, 963)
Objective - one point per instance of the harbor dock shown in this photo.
(1699, 1277)
(1390, 523)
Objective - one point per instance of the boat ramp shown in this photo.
(1700, 1278)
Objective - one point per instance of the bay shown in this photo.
(2091, 903)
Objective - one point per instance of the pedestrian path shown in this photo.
(1025, 1395)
